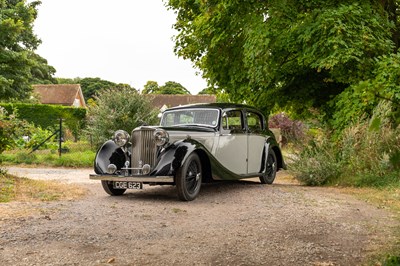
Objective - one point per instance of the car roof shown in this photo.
(213, 105)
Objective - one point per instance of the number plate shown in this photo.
(127, 185)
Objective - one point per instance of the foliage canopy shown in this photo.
(19, 65)
(91, 86)
(297, 55)
(170, 87)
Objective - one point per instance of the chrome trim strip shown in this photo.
(144, 179)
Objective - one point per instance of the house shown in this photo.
(163, 101)
(60, 94)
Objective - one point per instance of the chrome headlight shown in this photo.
(161, 137)
(121, 137)
(111, 169)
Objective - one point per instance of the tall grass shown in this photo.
(366, 154)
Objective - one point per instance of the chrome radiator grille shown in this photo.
(143, 147)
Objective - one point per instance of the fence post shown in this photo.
(60, 138)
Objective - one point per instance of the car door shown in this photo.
(255, 140)
(231, 150)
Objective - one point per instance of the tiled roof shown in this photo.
(62, 94)
(170, 100)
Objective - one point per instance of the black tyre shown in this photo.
(271, 167)
(108, 187)
(188, 178)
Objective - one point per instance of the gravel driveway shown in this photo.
(236, 223)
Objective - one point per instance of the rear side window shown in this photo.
(232, 120)
(254, 122)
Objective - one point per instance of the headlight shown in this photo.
(161, 137)
(146, 169)
(121, 137)
(111, 169)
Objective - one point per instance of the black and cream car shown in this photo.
(193, 144)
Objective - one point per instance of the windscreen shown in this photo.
(201, 117)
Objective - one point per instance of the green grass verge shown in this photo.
(75, 154)
(49, 158)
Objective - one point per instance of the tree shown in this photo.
(41, 72)
(361, 99)
(222, 96)
(19, 65)
(118, 109)
(150, 87)
(294, 54)
(170, 87)
(91, 86)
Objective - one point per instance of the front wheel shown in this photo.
(188, 178)
(108, 187)
(271, 167)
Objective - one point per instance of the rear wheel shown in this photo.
(188, 178)
(271, 167)
(108, 187)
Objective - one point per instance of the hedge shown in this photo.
(47, 116)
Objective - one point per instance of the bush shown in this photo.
(38, 136)
(367, 153)
(10, 127)
(118, 109)
(291, 130)
(317, 163)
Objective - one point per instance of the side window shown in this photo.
(254, 122)
(232, 120)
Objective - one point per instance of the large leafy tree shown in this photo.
(92, 86)
(361, 99)
(170, 87)
(222, 96)
(150, 87)
(297, 54)
(19, 65)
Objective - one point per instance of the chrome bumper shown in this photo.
(143, 179)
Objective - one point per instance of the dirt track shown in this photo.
(238, 223)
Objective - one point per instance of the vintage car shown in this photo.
(193, 144)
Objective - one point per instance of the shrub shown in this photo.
(291, 130)
(118, 109)
(317, 163)
(10, 126)
(367, 153)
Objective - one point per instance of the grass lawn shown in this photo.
(79, 154)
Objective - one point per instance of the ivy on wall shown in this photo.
(47, 116)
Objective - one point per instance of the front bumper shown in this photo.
(142, 179)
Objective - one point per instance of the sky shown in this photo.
(123, 41)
